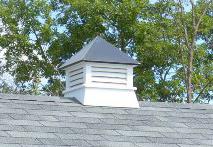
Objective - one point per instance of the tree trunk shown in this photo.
(122, 43)
(189, 75)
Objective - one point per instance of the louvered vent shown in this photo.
(104, 75)
(75, 77)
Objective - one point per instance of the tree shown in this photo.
(203, 77)
(157, 53)
(29, 31)
(172, 39)
(204, 65)
(168, 43)
(114, 20)
(190, 24)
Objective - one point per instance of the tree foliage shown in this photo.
(28, 33)
(172, 39)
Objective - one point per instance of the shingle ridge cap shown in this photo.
(197, 106)
(28, 97)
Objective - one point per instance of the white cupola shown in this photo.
(101, 75)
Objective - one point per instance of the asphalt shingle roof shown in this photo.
(99, 50)
(36, 121)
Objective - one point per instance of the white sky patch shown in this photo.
(32, 38)
(2, 56)
(6, 77)
(2, 28)
(36, 53)
(24, 58)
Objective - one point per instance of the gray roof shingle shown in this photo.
(40, 121)
(99, 50)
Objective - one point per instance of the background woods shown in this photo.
(172, 39)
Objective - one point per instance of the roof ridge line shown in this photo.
(89, 45)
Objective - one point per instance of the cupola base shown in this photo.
(96, 96)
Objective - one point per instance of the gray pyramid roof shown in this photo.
(99, 50)
(42, 121)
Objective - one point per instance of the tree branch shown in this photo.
(201, 17)
(201, 92)
(167, 72)
(41, 49)
(184, 25)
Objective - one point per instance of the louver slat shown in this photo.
(76, 82)
(108, 69)
(109, 80)
(75, 72)
(76, 77)
(109, 75)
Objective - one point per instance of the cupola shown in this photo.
(101, 75)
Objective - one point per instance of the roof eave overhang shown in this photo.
(65, 66)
